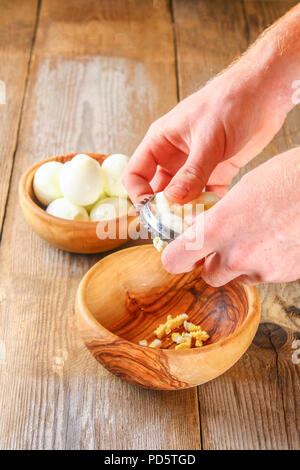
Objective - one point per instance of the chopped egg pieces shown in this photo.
(171, 324)
(184, 341)
(159, 244)
(193, 336)
(156, 343)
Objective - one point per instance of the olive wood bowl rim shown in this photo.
(254, 310)
(26, 182)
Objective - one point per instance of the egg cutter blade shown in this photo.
(149, 218)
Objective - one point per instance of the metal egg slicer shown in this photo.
(149, 218)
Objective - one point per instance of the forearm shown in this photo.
(276, 57)
(208, 136)
(263, 85)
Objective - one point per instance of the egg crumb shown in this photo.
(193, 331)
(159, 244)
(176, 338)
(155, 343)
(199, 336)
(193, 336)
(171, 324)
(160, 331)
(185, 342)
(189, 326)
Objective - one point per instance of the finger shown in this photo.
(216, 273)
(224, 173)
(190, 180)
(155, 150)
(161, 179)
(138, 174)
(183, 254)
(217, 189)
(228, 169)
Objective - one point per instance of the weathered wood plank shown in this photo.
(17, 28)
(254, 404)
(101, 72)
(280, 302)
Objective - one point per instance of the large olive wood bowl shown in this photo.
(123, 298)
(70, 235)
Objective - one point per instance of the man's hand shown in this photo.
(232, 118)
(210, 135)
(253, 233)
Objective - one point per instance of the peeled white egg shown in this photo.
(170, 215)
(109, 208)
(175, 217)
(66, 209)
(89, 207)
(203, 202)
(113, 168)
(81, 180)
(164, 206)
(80, 156)
(162, 203)
(116, 189)
(173, 222)
(46, 182)
(207, 198)
(115, 164)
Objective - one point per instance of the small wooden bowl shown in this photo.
(70, 235)
(125, 296)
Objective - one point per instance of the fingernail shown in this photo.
(176, 191)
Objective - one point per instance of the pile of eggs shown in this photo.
(82, 189)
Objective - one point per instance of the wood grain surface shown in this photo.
(15, 56)
(219, 312)
(92, 76)
(91, 86)
(255, 404)
(137, 295)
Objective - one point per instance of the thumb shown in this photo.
(198, 241)
(189, 181)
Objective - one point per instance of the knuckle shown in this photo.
(155, 128)
(194, 171)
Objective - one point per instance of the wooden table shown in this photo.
(91, 76)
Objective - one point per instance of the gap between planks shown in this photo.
(39, 2)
